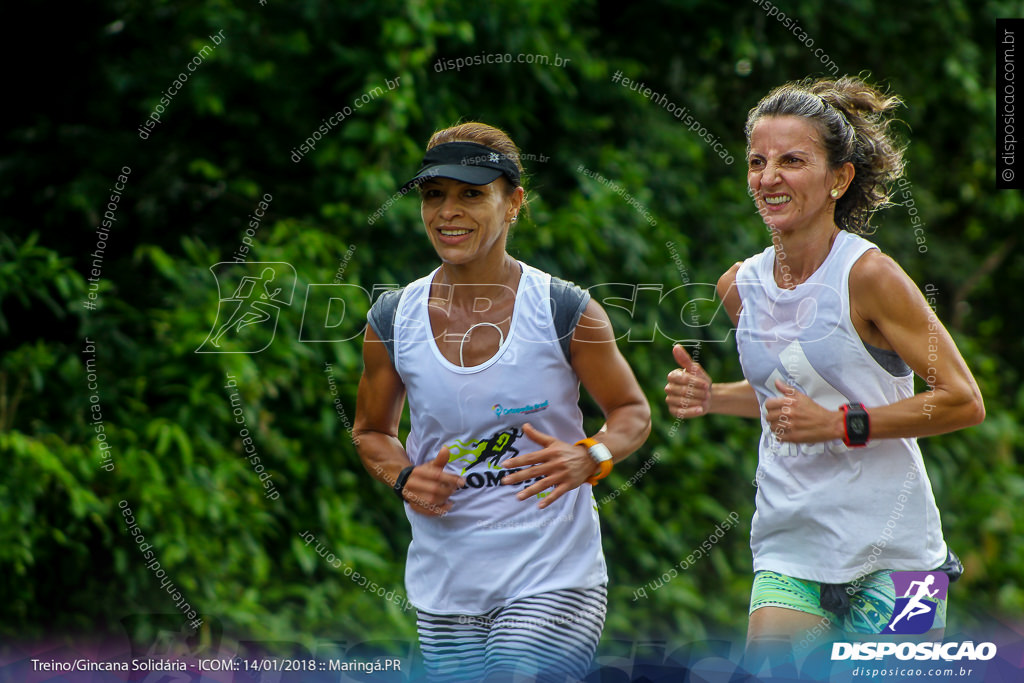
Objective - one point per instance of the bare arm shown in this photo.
(884, 295)
(690, 391)
(379, 404)
(885, 300)
(608, 378)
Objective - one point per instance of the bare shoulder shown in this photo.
(728, 279)
(874, 265)
(728, 292)
(878, 275)
(879, 287)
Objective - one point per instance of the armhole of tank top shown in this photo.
(568, 302)
(890, 361)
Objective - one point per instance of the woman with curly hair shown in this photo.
(830, 333)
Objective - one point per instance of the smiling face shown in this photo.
(789, 177)
(466, 222)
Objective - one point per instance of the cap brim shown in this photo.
(474, 175)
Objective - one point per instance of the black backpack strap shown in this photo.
(382, 318)
(567, 304)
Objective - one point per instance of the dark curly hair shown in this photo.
(853, 120)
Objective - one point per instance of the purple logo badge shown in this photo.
(917, 600)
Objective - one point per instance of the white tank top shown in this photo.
(491, 548)
(826, 512)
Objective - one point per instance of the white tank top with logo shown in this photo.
(826, 512)
(491, 548)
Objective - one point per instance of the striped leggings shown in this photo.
(551, 636)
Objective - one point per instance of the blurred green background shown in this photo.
(83, 87)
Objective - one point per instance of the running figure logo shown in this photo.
(918, 595)
(247, 320)
(491, 450)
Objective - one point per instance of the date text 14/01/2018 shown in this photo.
(268, 664)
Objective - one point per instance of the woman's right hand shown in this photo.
(429, 487)
(688, 392)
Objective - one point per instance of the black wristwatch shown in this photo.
(857, 425)
(403, 477)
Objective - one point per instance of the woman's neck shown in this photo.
(479, 279)
(798, 255)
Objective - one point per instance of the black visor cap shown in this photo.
(467, 162)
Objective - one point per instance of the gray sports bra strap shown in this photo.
(889, 360)
(567, 304)
(382, 318)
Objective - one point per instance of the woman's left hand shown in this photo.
(561, 465)
(795, 417)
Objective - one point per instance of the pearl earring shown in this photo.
(834, 193)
